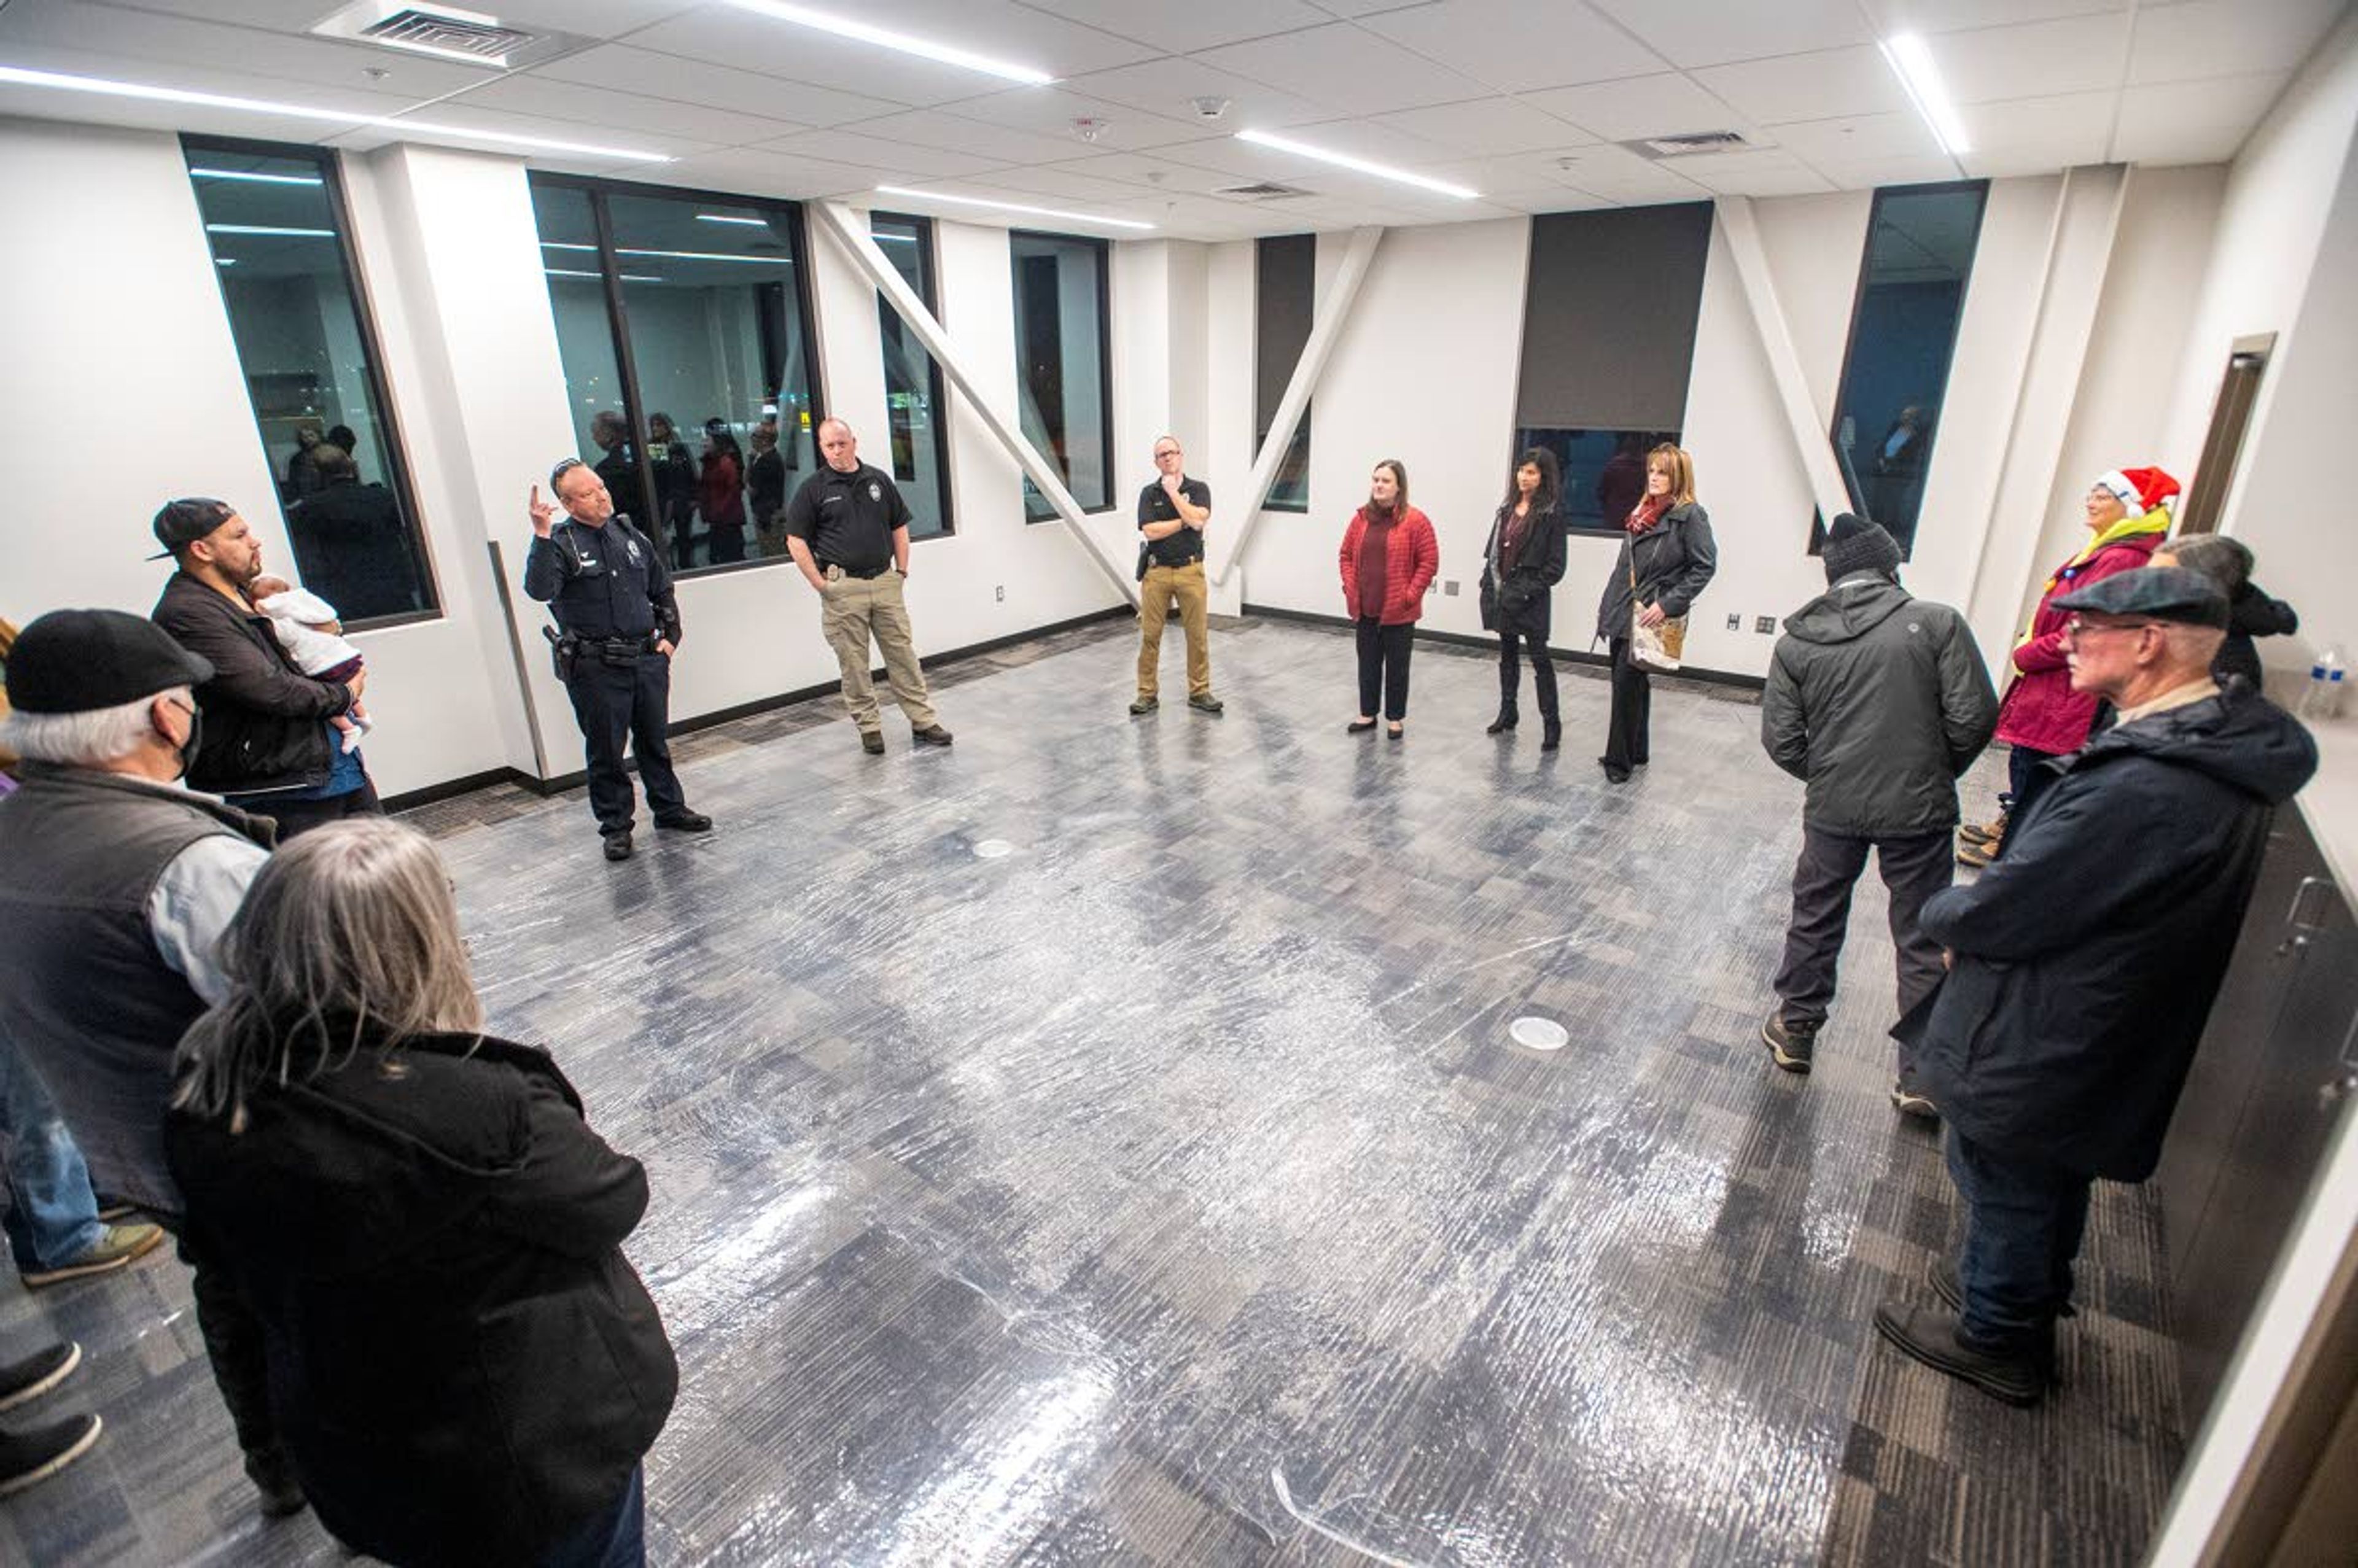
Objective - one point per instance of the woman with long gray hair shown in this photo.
(464, 1367)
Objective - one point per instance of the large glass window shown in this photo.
(1604, 471)
(1284, 287)
(1062, 360)
(685, 340)
(912, 382)
(274, 219)
(1903, 333)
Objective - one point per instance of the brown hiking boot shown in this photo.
(1989, 832)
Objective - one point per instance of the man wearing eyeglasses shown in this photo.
(1172, 514)
(618, 621)
(2083, 963)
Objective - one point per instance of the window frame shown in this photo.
(1103, 249)
(329, 161)
(930, 273)
(598, 188)
(1818, 521)
(1260, 346)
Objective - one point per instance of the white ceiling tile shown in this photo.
(2202, 122)
(1068, 185)
(1169, 87)
(1370, 140)
(462, 115)
(1197, 24)
(1948, 16)
(1501, 42)
(627, 69)
(224, 80)
(40, 103)
(1244, 160)
(1643, 106)
(1711, 32)
(1773, 172)
(723, 35)
(752, 173)
(1150, 211)
(952, 133)
(1001, 29)
(2077, 54)
(1560, 201)
(164, 45)
(1867, 174)
(2227, 38)
(1344, 67)
(1487, 125)
(903, 159)
(1622, 175)
(1051, 111)
(1153, 173)
(1815, 86)
(629, 112)
(583, 18)
(2036, 136)
(1511, 175)
(1856, 138)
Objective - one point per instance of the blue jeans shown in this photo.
(52, 1216)
(2023, 1224)
(615, 1538)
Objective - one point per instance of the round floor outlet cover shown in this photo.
(993, 849)
(1539, 1034)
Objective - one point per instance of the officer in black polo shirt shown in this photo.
(847, 529)
(1171, 513)
(618, 622)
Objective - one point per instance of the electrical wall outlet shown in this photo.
(1736, 623)
(1003, 593)
(1764, 624)
(1450, 588)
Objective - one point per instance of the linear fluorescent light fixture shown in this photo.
(719, 217)
(1363, 166)
(884, 37)
(1012, 207)
(1911, 58)
(102, 85)
(255, 179)
(266, 228)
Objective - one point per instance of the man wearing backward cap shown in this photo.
(2083, 963)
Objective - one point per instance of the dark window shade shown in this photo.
(1284, 289)
(1610, 316)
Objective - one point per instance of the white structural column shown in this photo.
(1811, 441)
(850, 233)
(1325, 329)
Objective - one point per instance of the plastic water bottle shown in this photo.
(2324, 696)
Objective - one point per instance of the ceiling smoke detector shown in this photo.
(1089, 129)
(1209, 108)
(1659, 147)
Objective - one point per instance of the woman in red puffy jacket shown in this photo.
(1389, 558)
(2041, 717)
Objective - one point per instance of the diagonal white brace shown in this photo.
(1327, 326)
(848, 231)
(1811, 442)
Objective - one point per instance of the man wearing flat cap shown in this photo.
(2083, 963)
(115, 885)
(268, 747)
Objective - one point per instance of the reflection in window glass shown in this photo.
(700, 416)
(1604, 471)
(1919, 254)
(1061, 365)
(274, 220)
(1286, 270)
(912, 382)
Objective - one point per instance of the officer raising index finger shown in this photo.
(543, 514)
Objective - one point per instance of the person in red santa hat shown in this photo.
(2041, 717)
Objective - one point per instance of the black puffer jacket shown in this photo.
(1878, 701)
(1520, 602)
(1674, 561)
(463, 1365)
(2087, 958)
(266, 721)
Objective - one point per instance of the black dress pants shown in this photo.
(294, 816)
(1383, 667)
(1627, 740)
(619, 704)
(1510, 672)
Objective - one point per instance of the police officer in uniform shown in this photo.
(618, 622)
(847, 529)
(1171, 513)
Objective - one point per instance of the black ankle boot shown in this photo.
(1551, 732)
(1506, 720)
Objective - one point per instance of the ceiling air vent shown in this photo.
(1683, 146)
(1266, 190)
(445, 32)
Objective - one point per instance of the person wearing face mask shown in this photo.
(117, 884)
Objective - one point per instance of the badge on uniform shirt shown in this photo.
(875, 491)
(631, 546)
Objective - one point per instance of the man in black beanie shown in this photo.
(116, 882)
(1878, 701)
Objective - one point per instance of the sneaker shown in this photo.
(873, 742)
(1908, 1102)
(687, 822)
(1144, 705)
(117, 1247)
(36, 1456)
(618, 845)
(1790, 1045)
(932, 735)
(1923, 1334)
(37, 1373)
(1205, 702)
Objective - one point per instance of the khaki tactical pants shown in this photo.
(851, 611)
(1186, 585)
